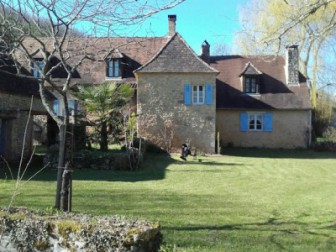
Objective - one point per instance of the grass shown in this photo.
(246, 200)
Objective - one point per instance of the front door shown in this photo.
(3, 136)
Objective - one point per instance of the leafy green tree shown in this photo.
(103, 104)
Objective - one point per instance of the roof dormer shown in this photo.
(251, 79)
(113, 64)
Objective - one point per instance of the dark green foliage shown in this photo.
(104, 104)
(330, 134)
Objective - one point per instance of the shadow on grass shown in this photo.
(278, 153)
(276, 231)
(153, 168)
(271, 225)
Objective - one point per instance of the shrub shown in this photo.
(324, 146)
(330, 134)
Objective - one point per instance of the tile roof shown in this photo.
(136, 51)
(18, 85)
(176, 57)
(12, 83)
(274, 93)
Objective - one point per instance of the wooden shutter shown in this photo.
(268, 122)
(208, 94)
(244, 122)
(187, 94)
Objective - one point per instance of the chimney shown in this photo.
(205, 56)
(172, 25)
(292, 65)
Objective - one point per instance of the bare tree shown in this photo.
(35, 32)
(270, 25)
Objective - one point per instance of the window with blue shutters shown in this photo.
(256, 122)
(198, 94)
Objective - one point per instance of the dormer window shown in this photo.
(251, 79)
(251, 84)
(113, 68)
(37, 67)
(113, 64)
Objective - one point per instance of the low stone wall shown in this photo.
(23, 230)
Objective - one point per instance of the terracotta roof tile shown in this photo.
(135, 51)
(176, 56)
(274, 93)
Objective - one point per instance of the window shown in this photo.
(55, 107)
(250, 121)
(113, 68)
(255, 122)
(198, 94)
(37, 67)
(251, 84)
(73, 107)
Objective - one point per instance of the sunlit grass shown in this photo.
(246, 200)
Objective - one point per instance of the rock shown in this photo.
(24, 230)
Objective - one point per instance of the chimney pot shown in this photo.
(172, 25)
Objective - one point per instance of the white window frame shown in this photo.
(254, 117)
(198, 95)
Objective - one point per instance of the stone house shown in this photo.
(16, 96)
(180, 96)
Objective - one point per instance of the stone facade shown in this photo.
(290, 130)
(14, 112)
(163, 114)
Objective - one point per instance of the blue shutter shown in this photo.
(55, 107)
(208, 94)
(268, 122)
(243, 122)
(187, 94)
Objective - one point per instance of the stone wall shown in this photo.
(164, 116)
(23, 230)
(15, 109)
(290, 130)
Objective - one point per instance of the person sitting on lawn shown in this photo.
(185, 151)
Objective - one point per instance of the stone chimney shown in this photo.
(172, 25)
(292, 65)
(205, 56)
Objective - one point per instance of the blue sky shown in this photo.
(214, 20)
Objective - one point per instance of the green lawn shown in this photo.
(246, 200)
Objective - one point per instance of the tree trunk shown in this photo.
(60, 166)
(103, 137)
(66, 189)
